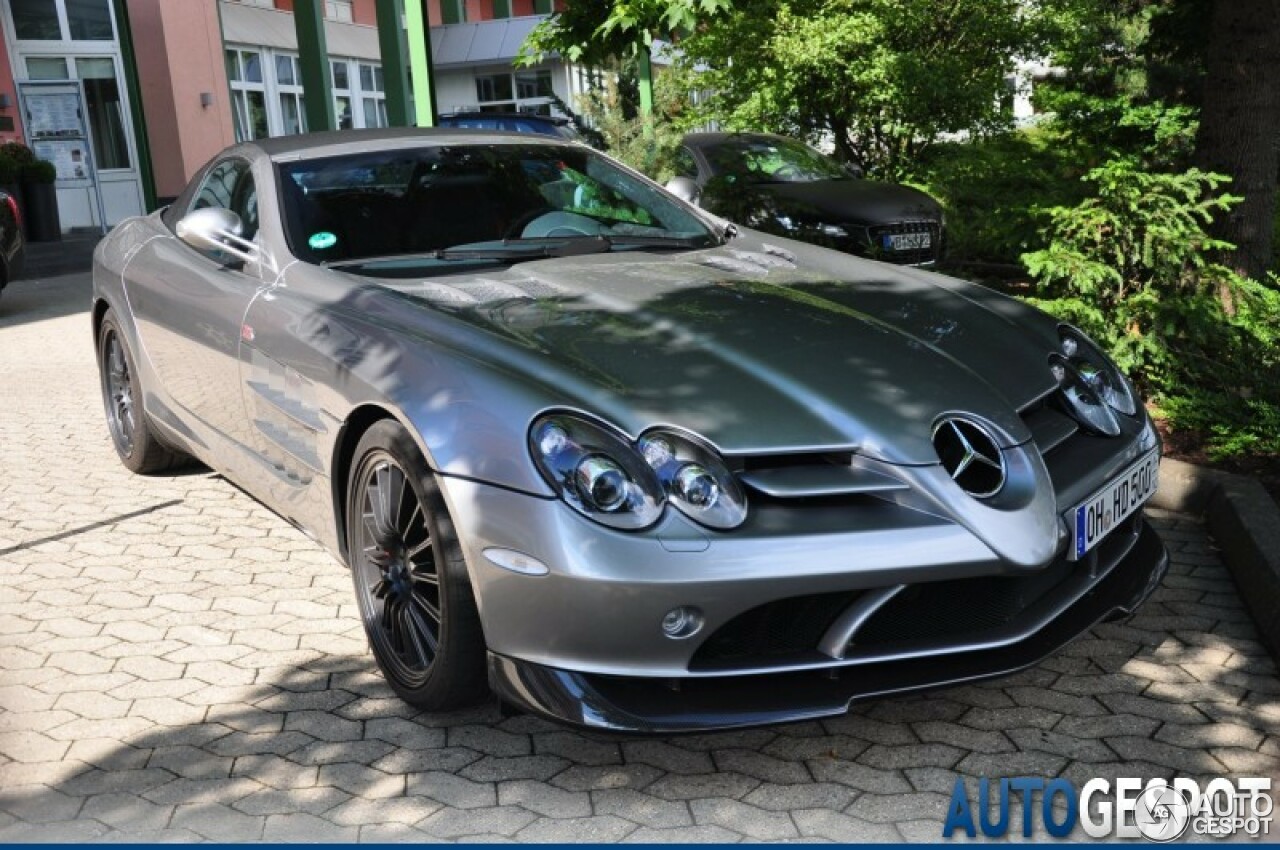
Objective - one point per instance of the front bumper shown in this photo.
(1112, 584)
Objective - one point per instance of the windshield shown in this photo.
(455, 204)
(767, 159)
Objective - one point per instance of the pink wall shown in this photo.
(7, 87)
(179, 55)
(362, 11)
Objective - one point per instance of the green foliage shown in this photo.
(18, 153)
(14, 157)
(648, 147)
(598, 32)
(885, 78)
(1133, 266)
(39, 171)
(992, 189)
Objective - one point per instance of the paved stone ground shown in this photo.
(177, 662)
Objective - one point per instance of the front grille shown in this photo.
(879, 251)
(968, 608)
(773, 632)
(1049, 426)
(925, 616)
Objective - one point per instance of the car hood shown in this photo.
(850, 201)
(755, 350)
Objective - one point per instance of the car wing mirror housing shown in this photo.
(218, 229)
(685, 188)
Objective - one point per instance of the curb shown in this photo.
(1244, 522)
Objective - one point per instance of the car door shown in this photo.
(189, 305)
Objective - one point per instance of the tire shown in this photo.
(411, 583)
(135, 441)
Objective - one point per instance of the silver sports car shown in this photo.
(625, 464)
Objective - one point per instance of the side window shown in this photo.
(685, 164)
(229, 185)
(219, 184)
(245, 204)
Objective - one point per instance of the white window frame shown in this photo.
(241, 88)
(378, 96)
(273, 90)
(64, 28)
(340, 11)
(516, 103)
(284, 90)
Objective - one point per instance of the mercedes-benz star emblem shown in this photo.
(970, 455)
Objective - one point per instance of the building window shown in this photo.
(338, 10)
(543, 7)
(62, 20)
(262, 4)
(373, 97)
(268, 98)
(45, 68)
(105, 110)
(103, 105)
(341, 80)
(90, 20)
(293, 116)
(36, 20)
(523, 91)
(501, 8)
(248, 95)
(453, 11)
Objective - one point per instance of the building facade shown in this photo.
(163, 85)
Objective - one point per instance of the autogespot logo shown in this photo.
(1158, 810)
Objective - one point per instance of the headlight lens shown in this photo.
(1081, 398)
(596, 471)
(1098, 371)
(695, 478)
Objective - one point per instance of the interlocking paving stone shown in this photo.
(197, 671)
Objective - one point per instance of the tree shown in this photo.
(884, 78)
(599, 33)
(1240, 124)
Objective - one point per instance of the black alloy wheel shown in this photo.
(410, 579)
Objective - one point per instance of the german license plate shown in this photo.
(1120, 498)
(907, 241)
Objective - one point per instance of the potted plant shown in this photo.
(41, 213)
(9, 172)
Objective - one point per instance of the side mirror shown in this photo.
(684, 188)
(854, 170)
(217, 229)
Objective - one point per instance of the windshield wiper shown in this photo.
(510, 250)
(654, 241)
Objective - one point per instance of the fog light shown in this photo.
(682, 622)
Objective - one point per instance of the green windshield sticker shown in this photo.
(323, 239)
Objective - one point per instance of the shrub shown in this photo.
(1133, 267)
(648, 146)
(40, 171)
(8, 170)
(991, 188)
(18, 153)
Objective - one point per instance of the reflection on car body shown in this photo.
(783, 186)
(625, 464)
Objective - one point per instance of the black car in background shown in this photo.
(783, 186)
(512, 122)
(12, 244)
